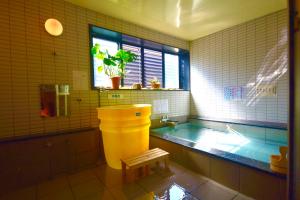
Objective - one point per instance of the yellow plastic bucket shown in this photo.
(125, 131)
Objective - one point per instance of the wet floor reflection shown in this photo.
(174, 192)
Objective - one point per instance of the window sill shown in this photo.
(143, 89)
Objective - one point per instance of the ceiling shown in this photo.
(186, 19)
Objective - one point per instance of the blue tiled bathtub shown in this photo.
(244, 144)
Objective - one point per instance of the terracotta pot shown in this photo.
(115, 82)
(155, 85)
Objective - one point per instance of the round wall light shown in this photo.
(53, 27)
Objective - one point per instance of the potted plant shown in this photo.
(155, 84)
(113, 66)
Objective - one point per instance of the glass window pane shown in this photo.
(171, 71)
(134, 69)
(152, 66)
(101, 79)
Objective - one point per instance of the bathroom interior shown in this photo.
(149, 99)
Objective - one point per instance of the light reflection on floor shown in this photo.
(175, 192)
(105, 183)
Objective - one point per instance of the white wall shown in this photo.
(239, 57)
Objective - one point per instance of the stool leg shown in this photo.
(157, 165)
(124, 171)
(131, 175)
(147, 170)
(141, 171)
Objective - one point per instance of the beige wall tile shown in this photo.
(26, 61)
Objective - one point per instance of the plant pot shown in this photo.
(115, 82)
(155, 85)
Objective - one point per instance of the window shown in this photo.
(134, 69)
(100, 79)
(171, 71)
(168, 64)
(153, 66)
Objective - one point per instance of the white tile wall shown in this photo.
(26, 61)
(229, 57)
(178, 101)
(236, 57)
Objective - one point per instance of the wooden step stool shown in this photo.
(143, 160)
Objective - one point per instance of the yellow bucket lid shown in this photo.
(124, 107)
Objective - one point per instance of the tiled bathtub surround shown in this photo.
(26, 61)
(178, 101)
(257, 184)
(247, 145)
(246, 56)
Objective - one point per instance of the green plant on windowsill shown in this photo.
(113, 66)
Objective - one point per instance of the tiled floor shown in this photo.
(105, 183)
